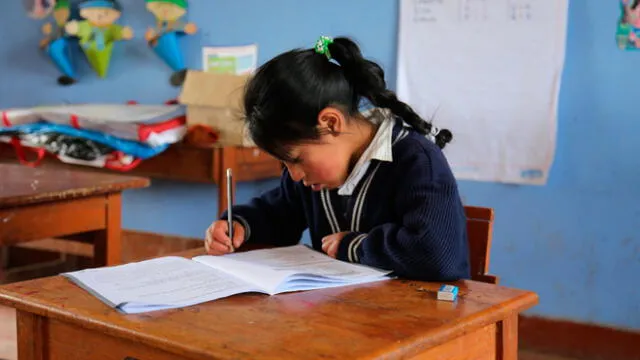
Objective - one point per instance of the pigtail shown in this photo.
(367, 79)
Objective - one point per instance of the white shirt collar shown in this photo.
(380, 149)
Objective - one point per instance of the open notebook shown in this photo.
(172, 282)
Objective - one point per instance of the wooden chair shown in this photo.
(479, 232)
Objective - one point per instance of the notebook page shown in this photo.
(259, 276)
(272, 268)
(159, 283)
(302, 284)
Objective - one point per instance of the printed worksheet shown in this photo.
(489, 71)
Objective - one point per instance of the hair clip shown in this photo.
(322, 46)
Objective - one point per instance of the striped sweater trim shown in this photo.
(325, 197)
(352, 252)
(357, 209)
(328, 210)
(245, 225)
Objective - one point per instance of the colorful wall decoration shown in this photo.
(99, 31)
(628, 32)
(163, 38)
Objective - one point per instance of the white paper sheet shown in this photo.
(291, 268)
(488, 70)
(161, 283)
(172, 282)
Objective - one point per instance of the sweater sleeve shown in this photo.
(274, 218)
(429, 240)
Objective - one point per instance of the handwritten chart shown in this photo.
(488, 70)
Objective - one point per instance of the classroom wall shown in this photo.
(574, 241)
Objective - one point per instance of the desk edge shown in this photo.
(91, 191)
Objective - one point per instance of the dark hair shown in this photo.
(284, 97)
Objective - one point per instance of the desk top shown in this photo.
(389, 317)
(22, 185)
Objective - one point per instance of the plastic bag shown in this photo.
(154, 125)
(133, 148)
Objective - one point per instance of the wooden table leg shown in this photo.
(108, 242)
(508, 338)
(31, 336)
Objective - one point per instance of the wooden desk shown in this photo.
(186, 162)
(39, 203)
(390, 319)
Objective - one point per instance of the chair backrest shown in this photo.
(479, 232)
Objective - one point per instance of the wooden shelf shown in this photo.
(184, 162)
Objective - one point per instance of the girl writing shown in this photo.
(360, 173)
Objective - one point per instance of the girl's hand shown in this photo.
(217, 240)
(331, 243)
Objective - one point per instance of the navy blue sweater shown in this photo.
(405, 215)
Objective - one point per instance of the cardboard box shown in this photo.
(215, 100)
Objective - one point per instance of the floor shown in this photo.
(135, 247)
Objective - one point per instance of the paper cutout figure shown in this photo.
(38, 9)
(99, 31)
(163, 39)
(56, 44)
(628, 33)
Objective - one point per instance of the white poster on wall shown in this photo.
(488, 70)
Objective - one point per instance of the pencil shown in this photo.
(229, 205)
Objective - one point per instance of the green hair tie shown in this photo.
(322, 46)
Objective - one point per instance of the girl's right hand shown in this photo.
(217, 240)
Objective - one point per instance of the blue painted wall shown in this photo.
(575, 241)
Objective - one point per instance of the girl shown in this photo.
(370, 189)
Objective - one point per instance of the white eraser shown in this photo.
(448, 293)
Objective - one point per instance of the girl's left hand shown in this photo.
(331, 243)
